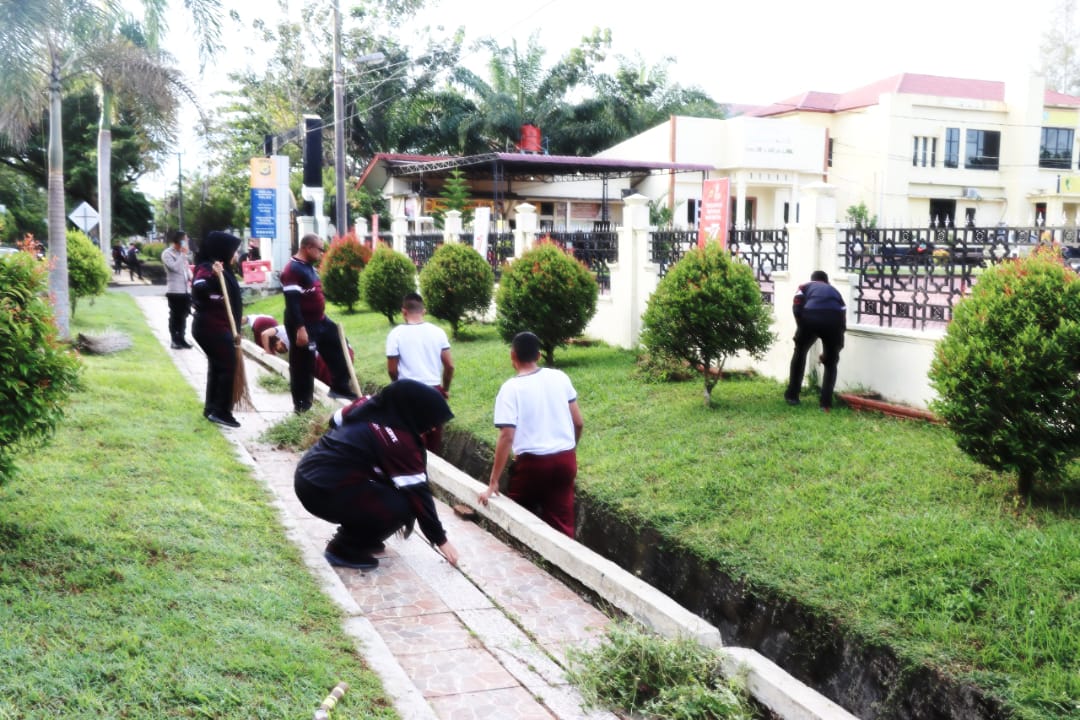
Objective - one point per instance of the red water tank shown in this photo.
(530, 139)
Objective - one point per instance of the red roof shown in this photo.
(905, 83)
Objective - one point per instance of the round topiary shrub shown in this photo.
(549, 293)
(39, 372)
(707, 308)
(88, 272)
(389, 275)
(340, 270)
(456, 283)
(1007, 372)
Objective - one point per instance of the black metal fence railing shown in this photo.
(765, 251)
(387, 237)
(420, 247)
(596, 249)
(667, 246)
(500, 251)
(913, 277)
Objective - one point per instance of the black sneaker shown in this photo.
(178, 346)
(227, 421)
(360, 562)
(341, 395)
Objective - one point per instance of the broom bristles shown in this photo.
(241, 398)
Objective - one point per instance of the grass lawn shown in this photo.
(143, 572)
(882, 523)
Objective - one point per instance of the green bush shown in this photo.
(1007, 372)
(707, 308)
(152, 251)
(386, 280)
(340, 270)
(39, 373)
(549, 293)
(635, 672)
(88, 271)
(456, 283)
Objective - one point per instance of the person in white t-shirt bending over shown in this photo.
(418, 350)
(540, 422)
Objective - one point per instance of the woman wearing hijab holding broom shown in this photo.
(368, 474)
(216, 295)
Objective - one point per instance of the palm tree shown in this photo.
(124, 69)
(43, 46)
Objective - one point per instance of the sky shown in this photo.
(750, 52)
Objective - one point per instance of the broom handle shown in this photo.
(348, 360)
(228, 305)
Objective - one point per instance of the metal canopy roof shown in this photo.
(524, 166)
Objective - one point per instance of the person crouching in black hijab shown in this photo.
(368, 473)
(211, 328)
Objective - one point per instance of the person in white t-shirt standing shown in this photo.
(419, 350)
(540, 423)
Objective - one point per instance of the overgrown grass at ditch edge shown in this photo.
(143, 571)
(882, 523)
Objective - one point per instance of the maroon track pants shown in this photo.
(544, 485)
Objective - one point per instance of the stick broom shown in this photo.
(353, 382)
(240, 397)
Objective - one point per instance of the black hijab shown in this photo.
(221, 246)
(404, 404)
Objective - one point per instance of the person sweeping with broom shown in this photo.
(216, 295)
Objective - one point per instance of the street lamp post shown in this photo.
(340, 217)
(180, 191)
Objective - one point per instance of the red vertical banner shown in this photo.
(715, 207)
(375, 230)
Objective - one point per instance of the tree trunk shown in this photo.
(58, 269)
(104, 172)
(1025, 482)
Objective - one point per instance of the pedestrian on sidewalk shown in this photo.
(211, 327)
(820, 312)
(419, 350)
(177, 284)
(309, 329)
(133, 262)
(368, 474)
(117, 259)
(540, 423)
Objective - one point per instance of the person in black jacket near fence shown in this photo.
(820, 312)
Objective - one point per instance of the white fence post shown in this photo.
(452, 226)
(399, 228)
(525, 228)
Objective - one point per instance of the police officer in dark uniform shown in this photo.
(820, 312)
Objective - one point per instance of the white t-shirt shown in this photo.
(418, 349)
(537, 405)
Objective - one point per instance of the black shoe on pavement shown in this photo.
(179, 346)
(341, 395)
(186, 345)
(360, 562)
(227, 421)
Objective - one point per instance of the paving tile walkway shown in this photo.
(488, 640)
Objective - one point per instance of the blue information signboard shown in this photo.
(263, 220)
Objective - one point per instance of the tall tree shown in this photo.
(126, 70)
(43, 46)
(1060, 49)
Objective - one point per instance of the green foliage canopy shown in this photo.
(456, 283)
(1007, 372)
(386, 280)
(88, 271)
(549, 293)
(39, 372)
(340, 270)
(707, 308)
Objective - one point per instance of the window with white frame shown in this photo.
(924, 151)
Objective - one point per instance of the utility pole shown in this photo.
(340, 219)
(341, 204)
(180, 191)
